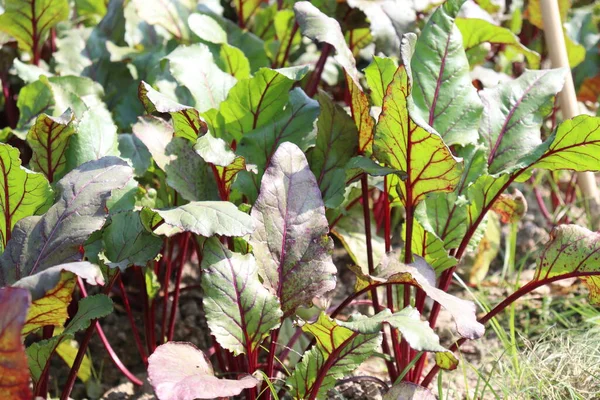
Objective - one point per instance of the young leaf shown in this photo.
(41, 242)
(179, 371)
(240, 311)
(572, 251)
(422, 275)
(208, 85)
(14, 374)
(25, 193)
(336, 144)
(290, 242)
(186, 120)
(440, 70)
(48, 139)
(513, 115)
(29, 21)
(206, 218)
(233, 61)
(404, 145)
(477, 31)
(338, 352)
(127, 242)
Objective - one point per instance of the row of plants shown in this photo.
(145, 136)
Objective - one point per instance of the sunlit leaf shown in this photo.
(179, 371)
(214, 150)
(429, 246)
(240, 311)
(136, 152)
(379, 75)
(170, 15)
(291, 242)
(233, 61)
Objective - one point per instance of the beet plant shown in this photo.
(242, 141)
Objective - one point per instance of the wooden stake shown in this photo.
(555, 40)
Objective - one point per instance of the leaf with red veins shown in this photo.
(48, 138)
(403, 144)
(22, 192)
(291, 242)
(14, 372)
(361, 114)
(510, 207)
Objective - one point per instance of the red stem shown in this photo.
(166, 281)
(271, 361)
(136, 334)
(315, 77)
(182, 255)
(42, 386)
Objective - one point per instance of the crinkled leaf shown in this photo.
(135, 151)
(572, 251)
(240, 311)
(127, 242)
(379, 75)
(14, 374)
(29, 21)
(291, 242)
(422, 275)
(336, 144)
(404, 145)
(338, 352)
(513, 115)
(206, 218)
(186, 120)
(208, 85)
(55, 238)
(214, 150)
(443, 94)
(25, 193)
(477, 31)
(179, 371)
(48, 139)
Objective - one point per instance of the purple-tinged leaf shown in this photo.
(179, 371)
(14, 373)
(55, 238)
(291, 241)
(443, 94)
(240, 311)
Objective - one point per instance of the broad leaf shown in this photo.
(136, 152)
(127, 242)
(246, 9)
(422, 275)
(179, 371)
(25, 193)
(155, 134)
(513, 115)
(379, 75)
(48, 139)
(14, 374)
(240, 311)
(233, 61)
(29, 21)
(55, 238)
(206, 218)
(336, 144)
(214, 150)
(572, 251)
(338, 352)
(429, 246)
(360, 107)
(477, 31)
(170, 15)
(186, 120)
(404, 145)
(443, 94)
(291, 242)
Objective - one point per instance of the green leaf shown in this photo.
(152, 284)
(207, 29)
(127, 242)
(513, 115)
(208, 85)
(89, 309)
(170, 15)
(361, 114)
(214, 150)
(136, 152)
(477, 31)
(206, 218)
(48, 139)
(294, 124)
(338, 352)
(574, 145)
(96, 137)
(14, 383)
(401, 143)
(255, 102)
(571, 251)
(155, 134)
(429, 246)
(337, 142)
(186, 120)
(291, 242)
(379, 75)
(283, 44)
(39, 243)
(25, 193)
(440, 70)
(29, 21)
(233, 61)
(240, 311)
